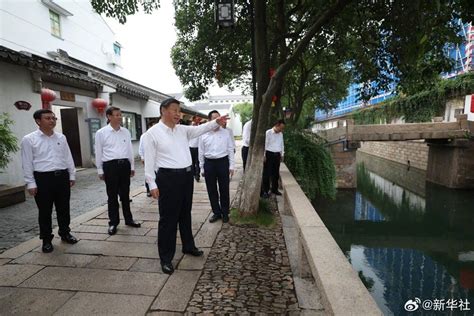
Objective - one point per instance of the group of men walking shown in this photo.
(170, 171)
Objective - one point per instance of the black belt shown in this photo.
(272, 153)
(216, 159)
(117, 161)
(55, 173)
(179, 170)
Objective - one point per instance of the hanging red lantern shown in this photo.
(47, 96)
(100, 105)
(271, 72)
(274, 99)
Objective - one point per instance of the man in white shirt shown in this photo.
(246, 130)
(216, 160)
(193, 147)
(49, 173)
(274, 151)
(141, 153)
(115, 165)
(168, 172)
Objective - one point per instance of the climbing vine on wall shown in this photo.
(420, 107)
(310, 162)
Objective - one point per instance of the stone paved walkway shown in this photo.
(247, 271)
(243, 270)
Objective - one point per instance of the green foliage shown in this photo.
(419, 107)
(8, 141)
(245, 111)
(310, 162)
(263, 218)
(120, 9)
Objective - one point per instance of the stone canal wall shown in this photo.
(342, 292)
(413, 153)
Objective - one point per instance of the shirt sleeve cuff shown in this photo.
(31, 185)
(152, 186)
(100, 171)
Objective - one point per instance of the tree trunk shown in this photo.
(248, 200)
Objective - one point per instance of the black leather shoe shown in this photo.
(225, 218)
(195, 252)
(167, 268)
(112, 229)
(70, 239)
(47, 246)
(133, 224)
(214, 218)
(276, 192)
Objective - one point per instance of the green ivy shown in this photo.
(310, 162)
(8, 141)
(420, 107)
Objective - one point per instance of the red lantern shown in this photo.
(271, 72)
(100, 105)
(274, 99)
(47, 96)
(472, 103)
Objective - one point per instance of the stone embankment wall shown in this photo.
(413, 153)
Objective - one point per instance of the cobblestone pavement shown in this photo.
(19, 222)
(247, 272)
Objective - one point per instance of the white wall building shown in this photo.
(65, 46)
(224, 104)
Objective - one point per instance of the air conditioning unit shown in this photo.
(113, 59)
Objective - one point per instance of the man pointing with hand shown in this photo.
(169, 174)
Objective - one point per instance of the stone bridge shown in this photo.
(451, 148)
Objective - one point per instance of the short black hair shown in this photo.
(279, 122)
(212, 112)
(110, 110)
(166, 103)
(38, 113)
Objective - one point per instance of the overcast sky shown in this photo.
(146, 41)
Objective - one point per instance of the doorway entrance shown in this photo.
(68, 124)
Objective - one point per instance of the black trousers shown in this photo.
(175, 203)
(245, 153)
(195, 158)
(216, 171)
(271, 171)
(117, 182)
(53, 188)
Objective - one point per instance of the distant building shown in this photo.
(462, 56)
(222, 103)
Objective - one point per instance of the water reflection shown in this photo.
(405, 238)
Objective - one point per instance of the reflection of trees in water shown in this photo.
(368, 281)
(383, 202)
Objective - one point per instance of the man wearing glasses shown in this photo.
(49, 175)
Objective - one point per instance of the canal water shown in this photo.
(411, 242)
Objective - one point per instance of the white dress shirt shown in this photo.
(43, 153)
(274, 142)
(194, 142)
(169, 147)
(246, 130)
(141, 149)
(111, 144)
(215, 145)
(231, 135)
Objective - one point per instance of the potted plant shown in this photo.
(8, 144)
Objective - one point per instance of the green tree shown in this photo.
(244, 110)
(8, 141)
(385, 41)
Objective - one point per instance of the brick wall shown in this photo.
(416, 152)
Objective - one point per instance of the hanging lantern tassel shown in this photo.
(274, 99)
